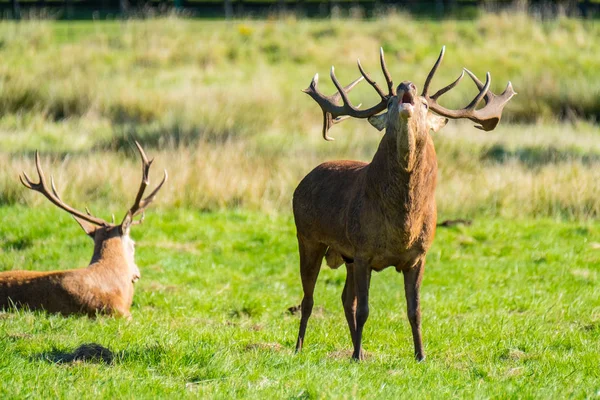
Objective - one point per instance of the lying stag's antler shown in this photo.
(53, 196)
(140, 204)
(488, 116)
(334, 113)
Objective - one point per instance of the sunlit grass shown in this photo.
(516, 171)
(510, 308)
(219, 105)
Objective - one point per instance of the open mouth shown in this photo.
(408, 98)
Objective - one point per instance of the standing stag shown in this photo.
(106, 285)
(374, 215)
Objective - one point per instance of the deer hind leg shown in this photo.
(412, 286)
(362, 281)
(311, 256)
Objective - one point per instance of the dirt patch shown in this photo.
(513, 355)
(185, 247)
(159, 287)
(263, 346)
(17, 336)
(346, 355)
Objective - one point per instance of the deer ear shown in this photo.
(379, 121)
(86, 226)
(436, 123)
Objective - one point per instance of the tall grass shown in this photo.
(552, 172)
(220, 106)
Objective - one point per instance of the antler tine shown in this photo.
(341, 93)
(150, 198)
(489, 95)
(52, 194)
(141, 220)
(328, 118)
(26, 181)
(337, 96)
(55, 192)
(482, 92)
(333, 112)
(386, 73)
(488, 116)
(433, 71)
(141, 203)
(145, 177)
(370, 80)
(449, 87)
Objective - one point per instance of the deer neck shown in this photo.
(403, 171)
(108, 250)
(116, 254)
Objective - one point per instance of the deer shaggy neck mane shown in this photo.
(401, 179)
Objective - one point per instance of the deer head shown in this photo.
(98, 229)
(406, 109)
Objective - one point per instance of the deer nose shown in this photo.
(406, 87)
(406, 92)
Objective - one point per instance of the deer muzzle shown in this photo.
(406, 93)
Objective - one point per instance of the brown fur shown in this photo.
(372, 216)
(105, 286)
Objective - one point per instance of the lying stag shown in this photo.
(106, 285)
(374, 215)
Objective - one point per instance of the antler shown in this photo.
(53, 196)
(333, 113)
(140, 204)
(488, 116)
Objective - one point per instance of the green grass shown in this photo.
(510, 309)
(510, 304)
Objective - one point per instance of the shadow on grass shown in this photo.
(86, 353)
(534, 157)
(157, 135)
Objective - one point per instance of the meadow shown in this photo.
(510, 302)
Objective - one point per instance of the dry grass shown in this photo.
(509, 173)
(219, 105)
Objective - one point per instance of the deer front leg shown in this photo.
(362, 280)
(349, 301)
(311, 256)
(412, 286)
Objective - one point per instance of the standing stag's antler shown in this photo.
(53, 196)
(334, 113)
(488, 116)
(140, 204)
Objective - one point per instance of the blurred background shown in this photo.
(212, 89)
(87, 9)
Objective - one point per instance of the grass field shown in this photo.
(510, 303)
(511, 309)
